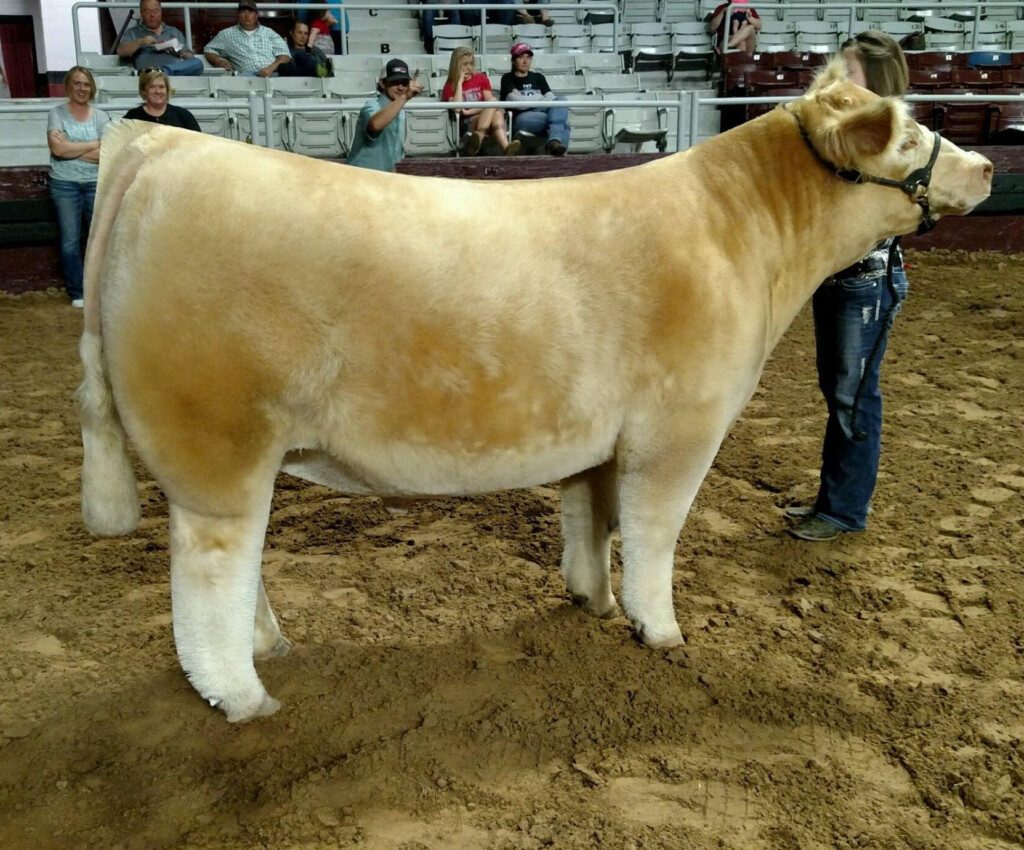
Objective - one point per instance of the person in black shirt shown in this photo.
(522, 84)
(155, 91)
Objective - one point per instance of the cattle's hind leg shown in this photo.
(215, 579)
(589, 515)
(268, 642)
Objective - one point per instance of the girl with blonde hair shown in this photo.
(466, 85)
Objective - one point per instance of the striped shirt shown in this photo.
(248, 51)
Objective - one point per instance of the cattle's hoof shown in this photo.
(603, 611)
(243, 715)
(660, 640)
(279, 650)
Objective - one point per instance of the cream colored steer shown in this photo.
(616, 357)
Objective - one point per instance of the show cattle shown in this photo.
(611, 352)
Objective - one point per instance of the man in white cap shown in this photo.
(380, 130)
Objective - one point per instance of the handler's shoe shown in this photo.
(799, 511)
(815, 529)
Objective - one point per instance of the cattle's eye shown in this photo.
(908, 144)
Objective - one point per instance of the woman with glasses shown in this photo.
(73, 136)
(156, 90)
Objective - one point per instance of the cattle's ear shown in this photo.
(834, 72)
(861, 133)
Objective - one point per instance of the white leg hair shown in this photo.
(654, 499)
(589, 515)
(268, 642)
(215, 582)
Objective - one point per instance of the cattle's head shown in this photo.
(859, 132)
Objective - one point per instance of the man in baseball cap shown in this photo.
(380, 129)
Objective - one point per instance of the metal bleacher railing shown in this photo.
(607, 7)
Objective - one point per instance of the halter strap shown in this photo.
(914, 184)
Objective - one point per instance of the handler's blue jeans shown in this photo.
(849, 319)
(73, 202)
(553, 121)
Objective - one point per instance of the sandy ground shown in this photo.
(442, 693)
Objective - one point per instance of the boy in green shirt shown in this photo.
(380, 130)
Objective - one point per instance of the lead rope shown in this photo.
(890, 316)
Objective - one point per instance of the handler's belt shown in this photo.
(867, 266)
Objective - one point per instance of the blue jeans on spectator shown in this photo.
(73, 202)
(851, 317)
(172, 66)
(554, 122)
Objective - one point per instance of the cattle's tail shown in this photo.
(110, 501)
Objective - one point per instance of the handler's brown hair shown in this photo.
(885, 66)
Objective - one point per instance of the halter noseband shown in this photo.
(914, 184)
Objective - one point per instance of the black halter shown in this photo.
(914, 184)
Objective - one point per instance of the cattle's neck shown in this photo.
(804, 221)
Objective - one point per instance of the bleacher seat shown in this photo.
(692, 46)
(930, 79)
(570, 38)
(603, 63)
(602, 39)
(191, 87)
(429, 133)
(638, 11)
(118, 89)
(348, 63)
(736, 64)
(985, 35)
(102, 64)
(943, 34)
(569, 85)
(554, 63)
(23, 134)
(587, 124)
(708, 119)
(967, 123)
(776, 35)
(1015, 35)
(977, 80)
(817, 36)
(316, 134)
(901, 29)
(356, 84)
(536, 35)
(231, 86)
(449, 36)
(611, 83)
(499, 38)
(634, 129)
(651, 47)
(679, 12)
(937, 59)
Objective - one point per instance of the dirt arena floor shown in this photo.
(442, 693)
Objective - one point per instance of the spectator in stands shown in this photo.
(320, 30)
(307, 60)
(334, 28)
(466, 85)
(154, 44)
(522, 84)
(853, 312)
(429, 16)
(533, 13)
(73, 136)
(380, 130)
(248, 47)
(735, 25)
(155, 89)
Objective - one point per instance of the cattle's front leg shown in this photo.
(589, 515)
(656, 491)
(215, 578)
(268, 642)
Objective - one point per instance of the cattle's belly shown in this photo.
(428, 470)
